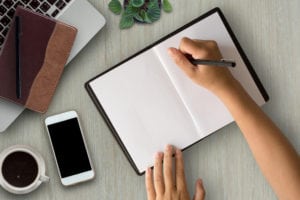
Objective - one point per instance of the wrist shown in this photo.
(227, 87)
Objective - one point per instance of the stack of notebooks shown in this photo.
(32, 59)
(148, 102)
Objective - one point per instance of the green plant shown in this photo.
(142, 11)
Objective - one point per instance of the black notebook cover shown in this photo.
(235, 41)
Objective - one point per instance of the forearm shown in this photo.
(276, 157)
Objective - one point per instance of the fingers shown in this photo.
(199, 190)
(181, 60)
(158, 175)
(169, 183)
(149, 185)
(198, 49)
(180, 177)
(164, 184)
(189, 46)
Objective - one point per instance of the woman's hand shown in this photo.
(211, 77)
(163, 184)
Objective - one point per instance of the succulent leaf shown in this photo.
(131, 10)
(153, 12)
(145, 17)
(167, 7)
(138, 17)
(115, 6)
(126, 21)
(138, 3)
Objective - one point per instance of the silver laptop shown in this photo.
(78, 13)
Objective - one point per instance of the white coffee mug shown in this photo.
(37, 174)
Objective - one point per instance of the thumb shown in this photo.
(199, 190)
(181, 60)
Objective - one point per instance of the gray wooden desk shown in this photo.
(268, 31)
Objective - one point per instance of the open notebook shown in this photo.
(148, 102)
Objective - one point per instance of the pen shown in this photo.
(220, 63)
(18, 60)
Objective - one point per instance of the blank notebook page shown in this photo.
(144, 108)
(207, 110)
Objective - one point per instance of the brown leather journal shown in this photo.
(44, 48)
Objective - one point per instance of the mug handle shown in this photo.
(44, 178)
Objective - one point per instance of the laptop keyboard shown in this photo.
(50, 8)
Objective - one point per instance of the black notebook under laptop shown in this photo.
(148, 102)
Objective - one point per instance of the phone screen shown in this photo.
(69, 148)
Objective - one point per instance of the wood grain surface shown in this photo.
(269, 33)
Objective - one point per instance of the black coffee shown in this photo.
(19, 169)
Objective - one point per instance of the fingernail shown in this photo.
(169, 147)
(171, 52)
(178, 151)
(148, 171)
(158, 155)
(200, 181)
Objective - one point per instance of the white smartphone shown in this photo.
(69, 147)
